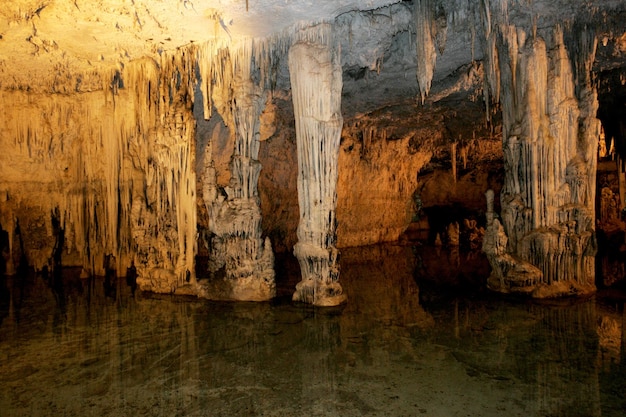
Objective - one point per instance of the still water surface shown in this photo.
(418, 337)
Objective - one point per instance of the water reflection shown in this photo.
(406, 344)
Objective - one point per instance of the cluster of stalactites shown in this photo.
(541, 114)
(117, 169)
(239, 95)
(248, 102)
(220, 59)
(540, 78)
(163, 147)
(74, 147)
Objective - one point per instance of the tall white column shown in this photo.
(316, 84)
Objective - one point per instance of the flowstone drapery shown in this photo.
(105, 180)
(545, 245)
(163, 219)
(316, 83)
(237, 245)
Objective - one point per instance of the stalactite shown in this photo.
(119, 164)
(453, 160)
(315, 73)
(216, 69)
(425, 44)
(164, 218)
(117, 170)
(64, 142)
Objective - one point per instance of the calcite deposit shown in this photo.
(550, 140)
(316, 88)
(186, 141)
(234, 216)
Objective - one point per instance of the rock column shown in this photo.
(316, 84)
(163, 212)
(549, 140)
(235, 220)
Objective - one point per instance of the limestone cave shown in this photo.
(339, 207)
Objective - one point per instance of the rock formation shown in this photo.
(105, 164)
(113, 170)
(235, 218)
(550, 135)
(315, 72)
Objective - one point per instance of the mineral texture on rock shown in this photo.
(550, 137)
(188, 141)
(316, 84)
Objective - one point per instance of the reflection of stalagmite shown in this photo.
(570, 334)
(235, 219)
(550, 138)
(316, 85)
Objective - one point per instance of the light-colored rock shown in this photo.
(315, 73)
(550, 136)
(234, 215)
(100, 157)
(113, 169)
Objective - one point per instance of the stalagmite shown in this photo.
(235, 220)
(99, 139)
(550, 138)
(316, 84)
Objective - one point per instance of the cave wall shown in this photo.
(387, 158)
(104, 180)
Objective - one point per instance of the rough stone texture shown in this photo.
(102, 101)
(316, 87)
(397, 154)
(75, 45)
(233, 212)
(99, 175)
(388, 157)
(377, 176)
(550, 137)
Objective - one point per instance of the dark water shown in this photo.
(419, 336)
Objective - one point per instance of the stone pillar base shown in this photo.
(312, 291)
(251, 288)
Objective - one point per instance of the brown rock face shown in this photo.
(387, 159)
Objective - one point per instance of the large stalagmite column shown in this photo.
(549, 139)
(316, 85)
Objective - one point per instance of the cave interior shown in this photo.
(311, 208)
(191, 143)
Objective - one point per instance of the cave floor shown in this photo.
(418, 336)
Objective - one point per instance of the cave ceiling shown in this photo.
(74, 45)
